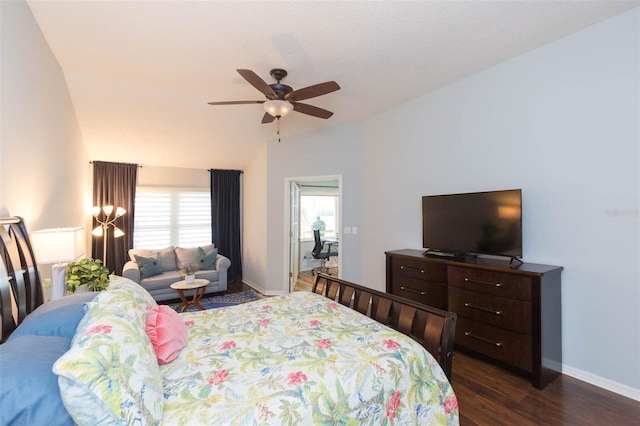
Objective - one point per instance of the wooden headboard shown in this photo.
(20, 286)
(433, 328)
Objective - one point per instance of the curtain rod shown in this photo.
(139, 165)
(228, 170)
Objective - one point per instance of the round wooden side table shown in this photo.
(198, 285)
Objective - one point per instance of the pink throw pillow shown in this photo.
(167, 333)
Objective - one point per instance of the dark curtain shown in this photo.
(115, 184)
(225, 218)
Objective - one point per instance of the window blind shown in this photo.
(171, 217)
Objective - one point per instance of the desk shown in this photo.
(331, 243)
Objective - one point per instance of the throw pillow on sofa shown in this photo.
(149, 266)
(167, 256)
(190, 256)
(208, 260)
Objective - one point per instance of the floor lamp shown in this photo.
(105, 220)
(58, 246)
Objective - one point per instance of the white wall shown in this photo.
(44, 169)
(561, 123)
(331, 152)
(176, 177)
(254, 226)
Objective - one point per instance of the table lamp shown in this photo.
(58, 246)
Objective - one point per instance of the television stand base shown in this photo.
(447, 254)
(515, 259)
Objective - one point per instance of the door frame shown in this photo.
(289, 255)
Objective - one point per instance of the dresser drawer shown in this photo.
(502, 345)
(416, 268)
(510, 314)
(496, 283)
(425, 292)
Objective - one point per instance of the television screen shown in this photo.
(473, 223)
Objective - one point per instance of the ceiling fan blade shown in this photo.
(313, 91)
(312, 110)
(235, 102)
(267, 118)
(258, 83)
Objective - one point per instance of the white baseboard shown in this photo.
(601, 382)
(261, 290)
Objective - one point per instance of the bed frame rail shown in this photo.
(20, 286)
(433, 328)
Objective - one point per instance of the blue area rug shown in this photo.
(222, 301)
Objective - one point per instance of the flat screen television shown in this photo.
(475, 223)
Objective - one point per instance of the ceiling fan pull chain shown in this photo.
(278, 128)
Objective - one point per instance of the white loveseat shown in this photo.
(157, 269)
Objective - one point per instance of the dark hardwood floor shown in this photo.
(488, 395)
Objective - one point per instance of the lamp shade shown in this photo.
(58, 244)
(277, 108)
(117, 232)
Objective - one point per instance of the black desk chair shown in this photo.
(319, 252)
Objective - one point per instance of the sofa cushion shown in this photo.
(167, 256)
(186, 257)
(208, 260)
(149, 266)
(164, 280)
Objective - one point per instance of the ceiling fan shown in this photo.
(281, 99)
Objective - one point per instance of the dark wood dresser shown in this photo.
(509, 315)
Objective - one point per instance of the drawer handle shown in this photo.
(410, 289)
(470, 334)
(412, 269)
(469, 280)
(493, 311)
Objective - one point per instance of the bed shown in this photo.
(304, 358)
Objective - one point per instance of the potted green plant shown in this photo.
(87, 272)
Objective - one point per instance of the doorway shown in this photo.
(314, 202)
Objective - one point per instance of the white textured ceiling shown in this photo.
(140, 73)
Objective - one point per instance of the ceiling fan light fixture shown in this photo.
(277, 107)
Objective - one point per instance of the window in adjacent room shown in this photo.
(318, 209)
(172, 217)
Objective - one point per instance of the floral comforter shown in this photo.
(302, 359)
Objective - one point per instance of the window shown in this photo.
(315, 208)
(171, 217)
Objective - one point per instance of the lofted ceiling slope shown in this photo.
(140, 73)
